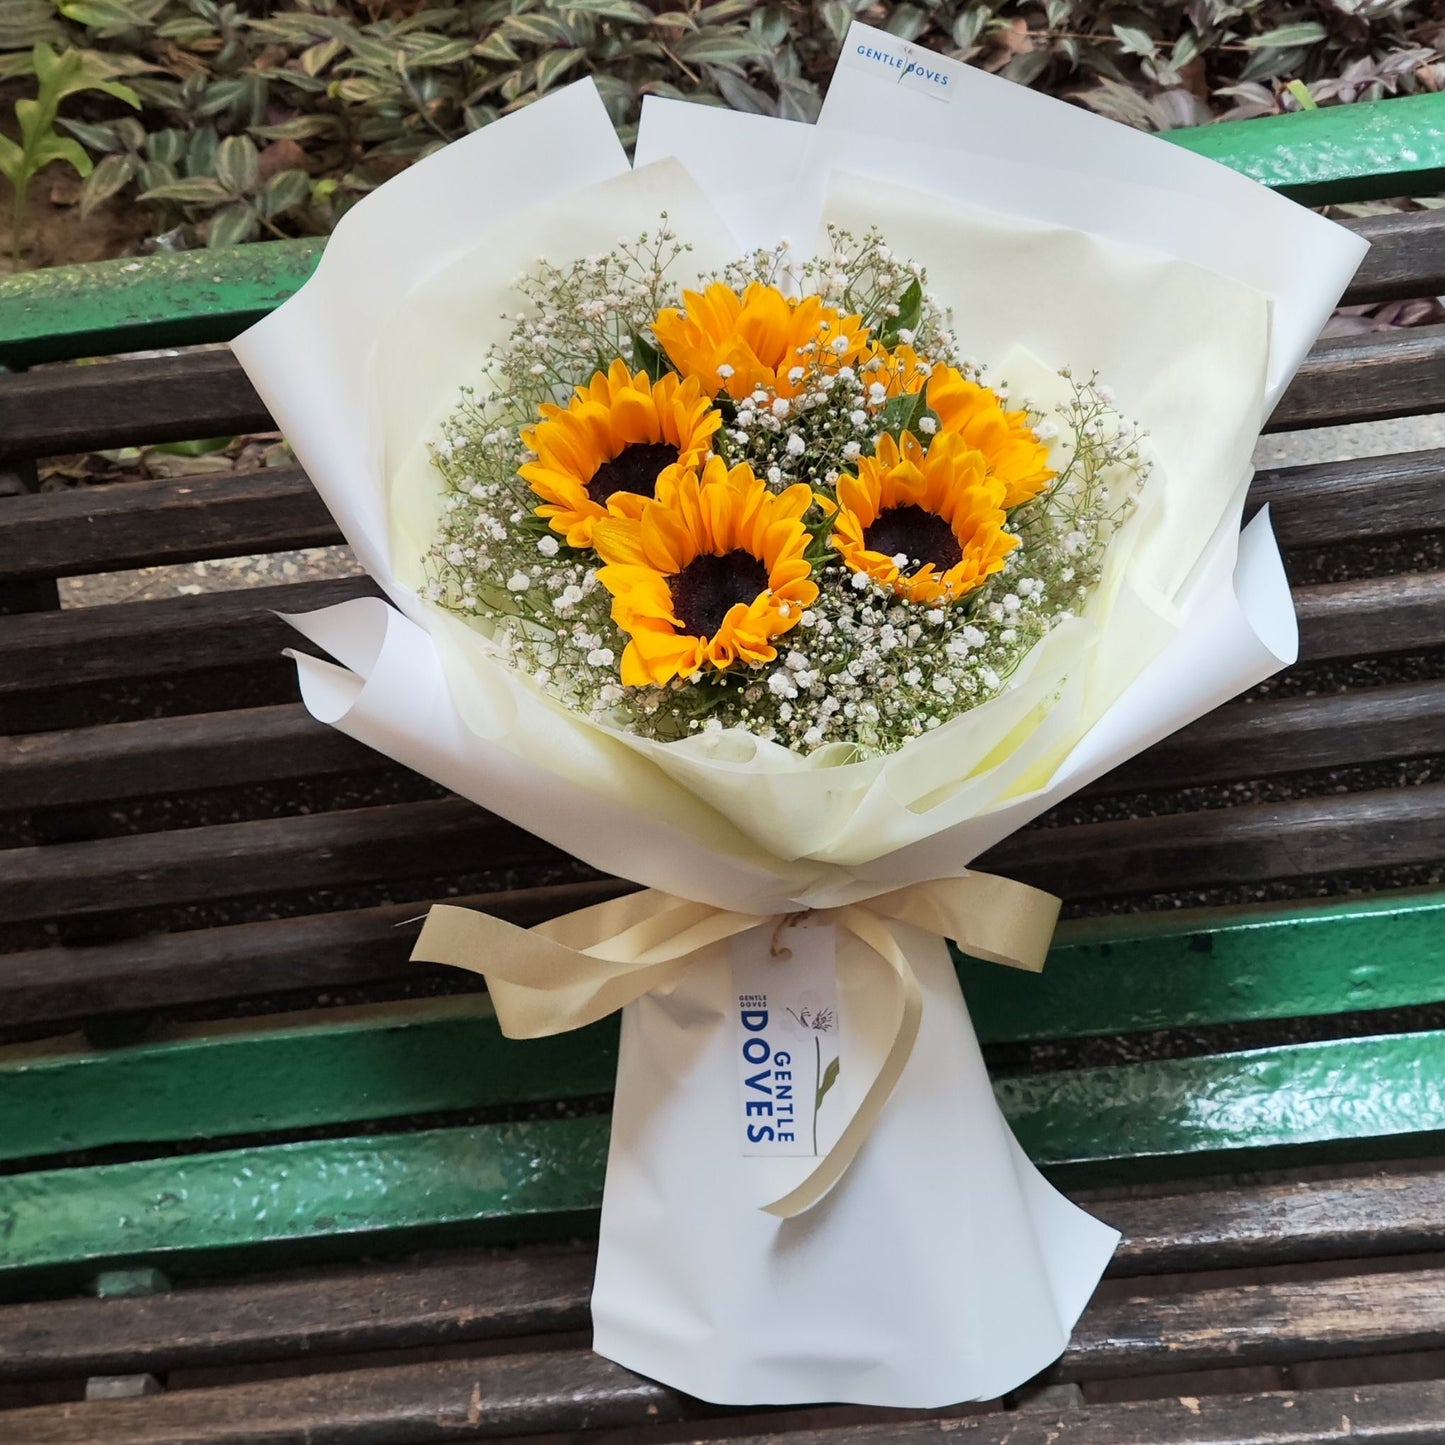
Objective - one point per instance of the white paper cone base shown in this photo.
(942, 1268)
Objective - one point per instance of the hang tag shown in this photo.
(786, 1034)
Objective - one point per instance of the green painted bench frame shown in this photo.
(227, 1202)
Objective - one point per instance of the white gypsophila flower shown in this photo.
(518, 582)
(547, 545)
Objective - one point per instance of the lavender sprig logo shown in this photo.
(816, 1022)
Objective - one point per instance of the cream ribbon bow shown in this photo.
(574, 970)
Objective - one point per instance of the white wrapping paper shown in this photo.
(943, 1267)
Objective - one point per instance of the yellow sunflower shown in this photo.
(708, 574)
(762, 338)
(1012, 450)
(940, 510)
(604, 452)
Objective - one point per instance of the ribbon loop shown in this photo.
(574, 970)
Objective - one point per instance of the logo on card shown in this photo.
(787, 1041)
(919, 70)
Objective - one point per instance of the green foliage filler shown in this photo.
(264, 119)
(56, 77)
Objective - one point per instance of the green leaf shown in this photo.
(238, 164)
(553, 64)
(12, 160)
(536, 30)
(646, 356)
(301, 127)
(99, 137)
(283, 192)
(830, 1077)
(166, 146)
(193, 449)
(1135, 41)
(1301, 93)
(1026, 68)
(150, 174)
(969, 26)
(837, 16)
(910, 309)
(1306, 32)
(198, 191)
(627, 12)
(232, 226)
(53, 148)
(201, 151)
(724, 48)
(497, 47)
(902, 413)
(315, 58)
(112, 175)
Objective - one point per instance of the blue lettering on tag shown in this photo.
(907, 68)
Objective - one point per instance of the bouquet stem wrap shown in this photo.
(574, 970)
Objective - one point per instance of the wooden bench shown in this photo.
(262, 1181)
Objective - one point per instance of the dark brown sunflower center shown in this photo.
(634, 469)
(921, 537)
(704, 591)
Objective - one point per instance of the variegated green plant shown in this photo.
(39, 145)
(332, 96)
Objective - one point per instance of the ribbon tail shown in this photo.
(992, 918)
(577, 969)
(834, 1164)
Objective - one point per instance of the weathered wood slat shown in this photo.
(1231, 845)
(1366, 618)
(237, 960)
(70, 409)
(449, 836)
(187, 519)
(1366, 378)
(470, 1297)
(1406, 257)
(1288, 735)
(162, 638)
(160, 399)
(163, 757)
(570, 1390)
(1382, 1415)
(266, 855)
(151, 523)
(1330, 502)
(233, 629)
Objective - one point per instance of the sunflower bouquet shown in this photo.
(778, 522)
(783, 502)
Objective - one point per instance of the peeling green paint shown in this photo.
(1356, 152)
(1104, 976)
(178, 298)
(321, 1198)
(389, 1193)
(1194, 969)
